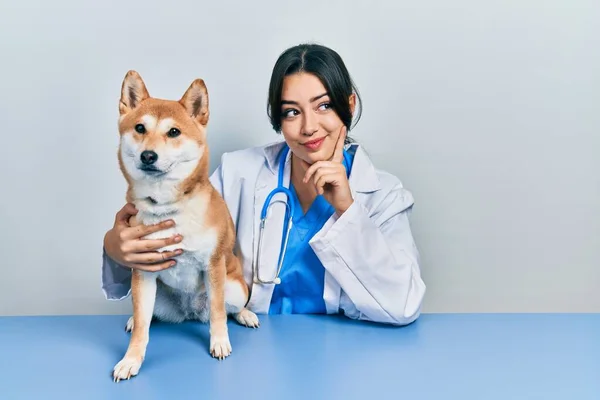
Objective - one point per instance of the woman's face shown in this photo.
(308, 123)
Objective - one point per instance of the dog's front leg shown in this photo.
(143, 293)
(220, 347)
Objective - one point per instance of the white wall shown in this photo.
(488, 111)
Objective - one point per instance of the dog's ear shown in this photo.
(195, 101)
(133, 92)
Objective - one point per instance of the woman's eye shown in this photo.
(325, 106)
(290, 113)
(139, 128)
(173, 132)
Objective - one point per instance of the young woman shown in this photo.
(350, 247)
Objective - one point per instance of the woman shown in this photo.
(350, 247)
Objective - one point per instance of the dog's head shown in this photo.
(162, 140)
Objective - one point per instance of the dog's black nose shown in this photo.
(149, 157)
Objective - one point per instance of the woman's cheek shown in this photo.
(331, 123)
(288, 131)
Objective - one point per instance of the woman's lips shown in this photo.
(314, 144)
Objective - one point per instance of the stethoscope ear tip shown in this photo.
(277, 281)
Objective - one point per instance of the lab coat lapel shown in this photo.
(266, 265)
(363, 175)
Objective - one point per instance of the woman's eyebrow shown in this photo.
(311, 100)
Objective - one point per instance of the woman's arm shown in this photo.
(116, 279)
(125, 249)
(374, 259)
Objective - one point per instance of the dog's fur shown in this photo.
(207, 283)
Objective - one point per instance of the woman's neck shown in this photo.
(306, 192)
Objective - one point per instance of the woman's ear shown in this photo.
(352, 101)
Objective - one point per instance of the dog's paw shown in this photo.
(129, 326)
(126, 368)
(220, 346)
(247, 318)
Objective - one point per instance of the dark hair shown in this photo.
(325, 64)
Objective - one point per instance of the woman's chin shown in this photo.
(312, 158)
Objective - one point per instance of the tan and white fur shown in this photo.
(163, 156)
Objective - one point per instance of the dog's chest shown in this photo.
(199, 241)
(187, 275)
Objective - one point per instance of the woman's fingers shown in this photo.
(323, 180)
(122, 217)
(153, 267)
(146, 245)
(152, 257)
(323, 171)
(317, 166)
(140, 231)
(338, 154)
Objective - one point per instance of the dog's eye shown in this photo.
(173, 132)
(139, 128)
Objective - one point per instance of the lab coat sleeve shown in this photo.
(373, 257)
(116, 279)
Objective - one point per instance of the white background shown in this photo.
(487, 111)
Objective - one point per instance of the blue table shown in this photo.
(447, 356)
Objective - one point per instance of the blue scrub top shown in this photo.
(302, 274)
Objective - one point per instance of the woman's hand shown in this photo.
(124, 243)
(330, 177)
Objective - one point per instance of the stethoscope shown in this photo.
(290, 210)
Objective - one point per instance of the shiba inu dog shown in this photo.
(163, 156)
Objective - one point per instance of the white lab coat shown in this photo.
(370, 258)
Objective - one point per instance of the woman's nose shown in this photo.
(311, 124)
